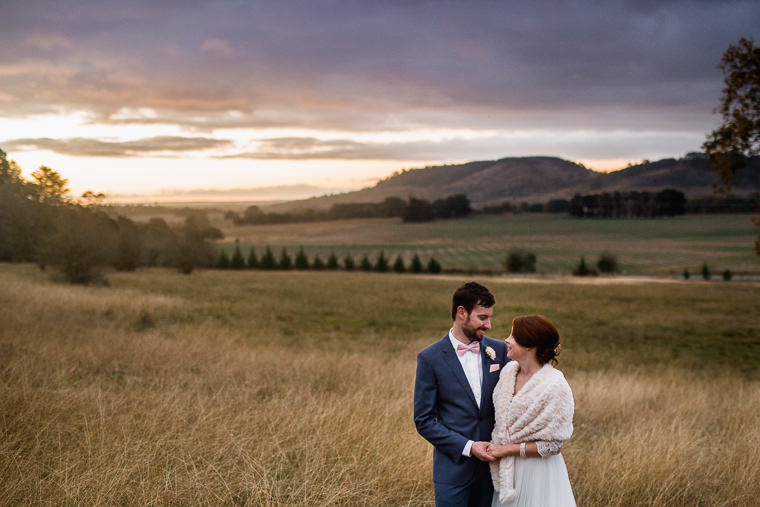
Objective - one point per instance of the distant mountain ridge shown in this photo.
(538, 179)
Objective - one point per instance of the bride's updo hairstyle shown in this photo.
(535, 331)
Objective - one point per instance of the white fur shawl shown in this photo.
(541, 411)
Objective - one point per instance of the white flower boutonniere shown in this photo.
(491, 353)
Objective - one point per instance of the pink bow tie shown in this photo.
(473, 347)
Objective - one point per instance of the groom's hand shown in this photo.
(480, 451)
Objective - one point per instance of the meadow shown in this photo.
(656, 246)
(282, 388)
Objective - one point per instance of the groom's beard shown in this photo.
(471, 332)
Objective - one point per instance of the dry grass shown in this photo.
(664, 437)
(295, 388)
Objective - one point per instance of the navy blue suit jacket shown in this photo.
(445, 411)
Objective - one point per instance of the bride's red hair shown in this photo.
(537, 331)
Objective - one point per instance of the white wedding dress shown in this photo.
(540, 482)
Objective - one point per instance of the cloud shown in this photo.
(267, 193)
(337, 65)
(48, 41)
(217, 46)
(573, 145)
(84, 147)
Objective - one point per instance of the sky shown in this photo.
(277, 99)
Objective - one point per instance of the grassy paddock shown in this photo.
(296, 388)
(660, 246)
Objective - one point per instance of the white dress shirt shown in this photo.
(473, 370)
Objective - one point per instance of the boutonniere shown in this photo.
(491, 353)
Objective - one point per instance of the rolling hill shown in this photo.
(537, 179)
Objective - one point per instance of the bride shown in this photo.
(534, 414)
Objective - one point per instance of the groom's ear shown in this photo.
(461, 312)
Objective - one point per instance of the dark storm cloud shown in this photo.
(83, 147)
(373, 65)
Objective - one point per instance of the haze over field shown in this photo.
(305, 98)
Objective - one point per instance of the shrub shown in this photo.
(80, 246)
(727, 275)
(520, 261)
(686, 274)
(607, 263)
(191, 250)
(583, 270)
(434, 266)
(129, 248)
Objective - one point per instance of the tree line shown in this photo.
(410, 210)
(724, 204)
(268, 261)
(668, 202)
(40, 223)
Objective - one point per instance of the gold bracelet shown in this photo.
(522, 450)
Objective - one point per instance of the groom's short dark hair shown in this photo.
(469, 295)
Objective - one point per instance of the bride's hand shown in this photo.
(496, 450)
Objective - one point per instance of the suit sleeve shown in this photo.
(426, 418)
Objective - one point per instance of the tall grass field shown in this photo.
(295, 388)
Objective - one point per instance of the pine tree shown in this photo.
(267, 260)
(302, 262)
(434, 266)
(348, 263)
(381, 264)
(332, 261)
(318, 263)
(398, 265)
(705, 272)
(224, 261)
(416, 265)
(285, 261)
(237, 261)
(253, 261)
(365, 264)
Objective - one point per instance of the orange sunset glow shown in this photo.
(147, 101)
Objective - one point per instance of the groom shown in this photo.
(453, 409)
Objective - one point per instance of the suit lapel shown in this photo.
(489, 379)
(451, 359)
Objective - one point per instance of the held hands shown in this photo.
(488, 451)
(480, 451)
(496, 451)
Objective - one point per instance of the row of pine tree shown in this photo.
(268, 261)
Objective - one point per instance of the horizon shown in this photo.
(140, 99)
(273, 194)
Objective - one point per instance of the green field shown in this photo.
(282, 388)
(663, 246)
